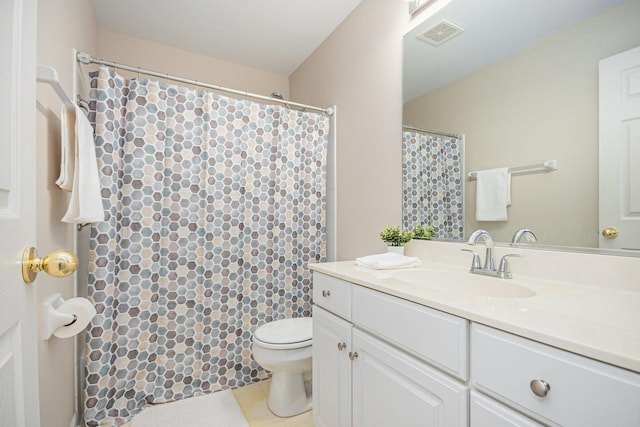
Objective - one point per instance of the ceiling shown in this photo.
(275, 36)
(493, 30)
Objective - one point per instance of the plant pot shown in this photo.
(396, 249)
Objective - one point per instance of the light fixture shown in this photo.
(416, 6)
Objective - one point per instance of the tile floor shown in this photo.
(253, 402)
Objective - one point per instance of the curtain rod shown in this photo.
(435, 132)
(85, 58)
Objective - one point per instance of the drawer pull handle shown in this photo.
(342, 346)
(326, 293)
(540, 387)
(353, 355)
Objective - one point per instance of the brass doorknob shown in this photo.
(58, 263)
(610, 233)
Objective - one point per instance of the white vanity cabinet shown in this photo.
(382, 359)
(486, 412)
(370, 360)
(392, 388)
(553, 386)
(331, 346)
(331, 370)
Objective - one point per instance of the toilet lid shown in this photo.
(285, 331)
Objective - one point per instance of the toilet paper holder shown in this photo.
(54, 319)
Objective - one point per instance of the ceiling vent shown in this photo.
(441, 32)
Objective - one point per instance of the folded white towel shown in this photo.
(67, 147)
(86, 200)
(493, 194)
(387, 260)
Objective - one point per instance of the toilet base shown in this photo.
(288, 395)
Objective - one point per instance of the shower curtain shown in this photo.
(215, 207)
(432, 183)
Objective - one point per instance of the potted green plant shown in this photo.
(395, 238)
(424, 232)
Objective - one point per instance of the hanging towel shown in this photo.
(387, 260)
(493, 194)
(86, 200)
(67, 148)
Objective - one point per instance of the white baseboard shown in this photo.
(74, 421)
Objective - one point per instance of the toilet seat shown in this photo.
(285, 334)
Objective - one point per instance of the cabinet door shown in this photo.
(487, 412)
(331, 370)
(392, 388)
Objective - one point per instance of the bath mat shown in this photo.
(219, 409)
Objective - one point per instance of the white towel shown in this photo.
(387, 260)
(67, 148)
(86, 200)
(493, 194)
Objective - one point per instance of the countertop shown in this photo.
(596, 322)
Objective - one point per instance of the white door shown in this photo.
(620, 150)
(18, 327)
(392, 388)
(331, 370)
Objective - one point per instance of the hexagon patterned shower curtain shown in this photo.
(215, 206)
(432, 183)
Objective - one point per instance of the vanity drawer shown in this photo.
(436, 337)
(332, 294)
(582, 391)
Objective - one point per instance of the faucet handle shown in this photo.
(475, 264)
(504, 269)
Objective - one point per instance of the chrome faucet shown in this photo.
(489, 261)
(518, 235)
(489, 269)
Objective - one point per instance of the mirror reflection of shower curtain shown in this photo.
(215, 207)
(432, 183)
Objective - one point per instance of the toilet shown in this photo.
(284, 348)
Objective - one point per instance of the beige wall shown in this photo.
(359, 68)
(510, 119)
(141, 53)
(62, 26)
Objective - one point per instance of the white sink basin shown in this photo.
(464, 283)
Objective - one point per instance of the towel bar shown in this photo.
(47, 74)
(549, 165)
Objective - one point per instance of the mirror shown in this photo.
(519, 79)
